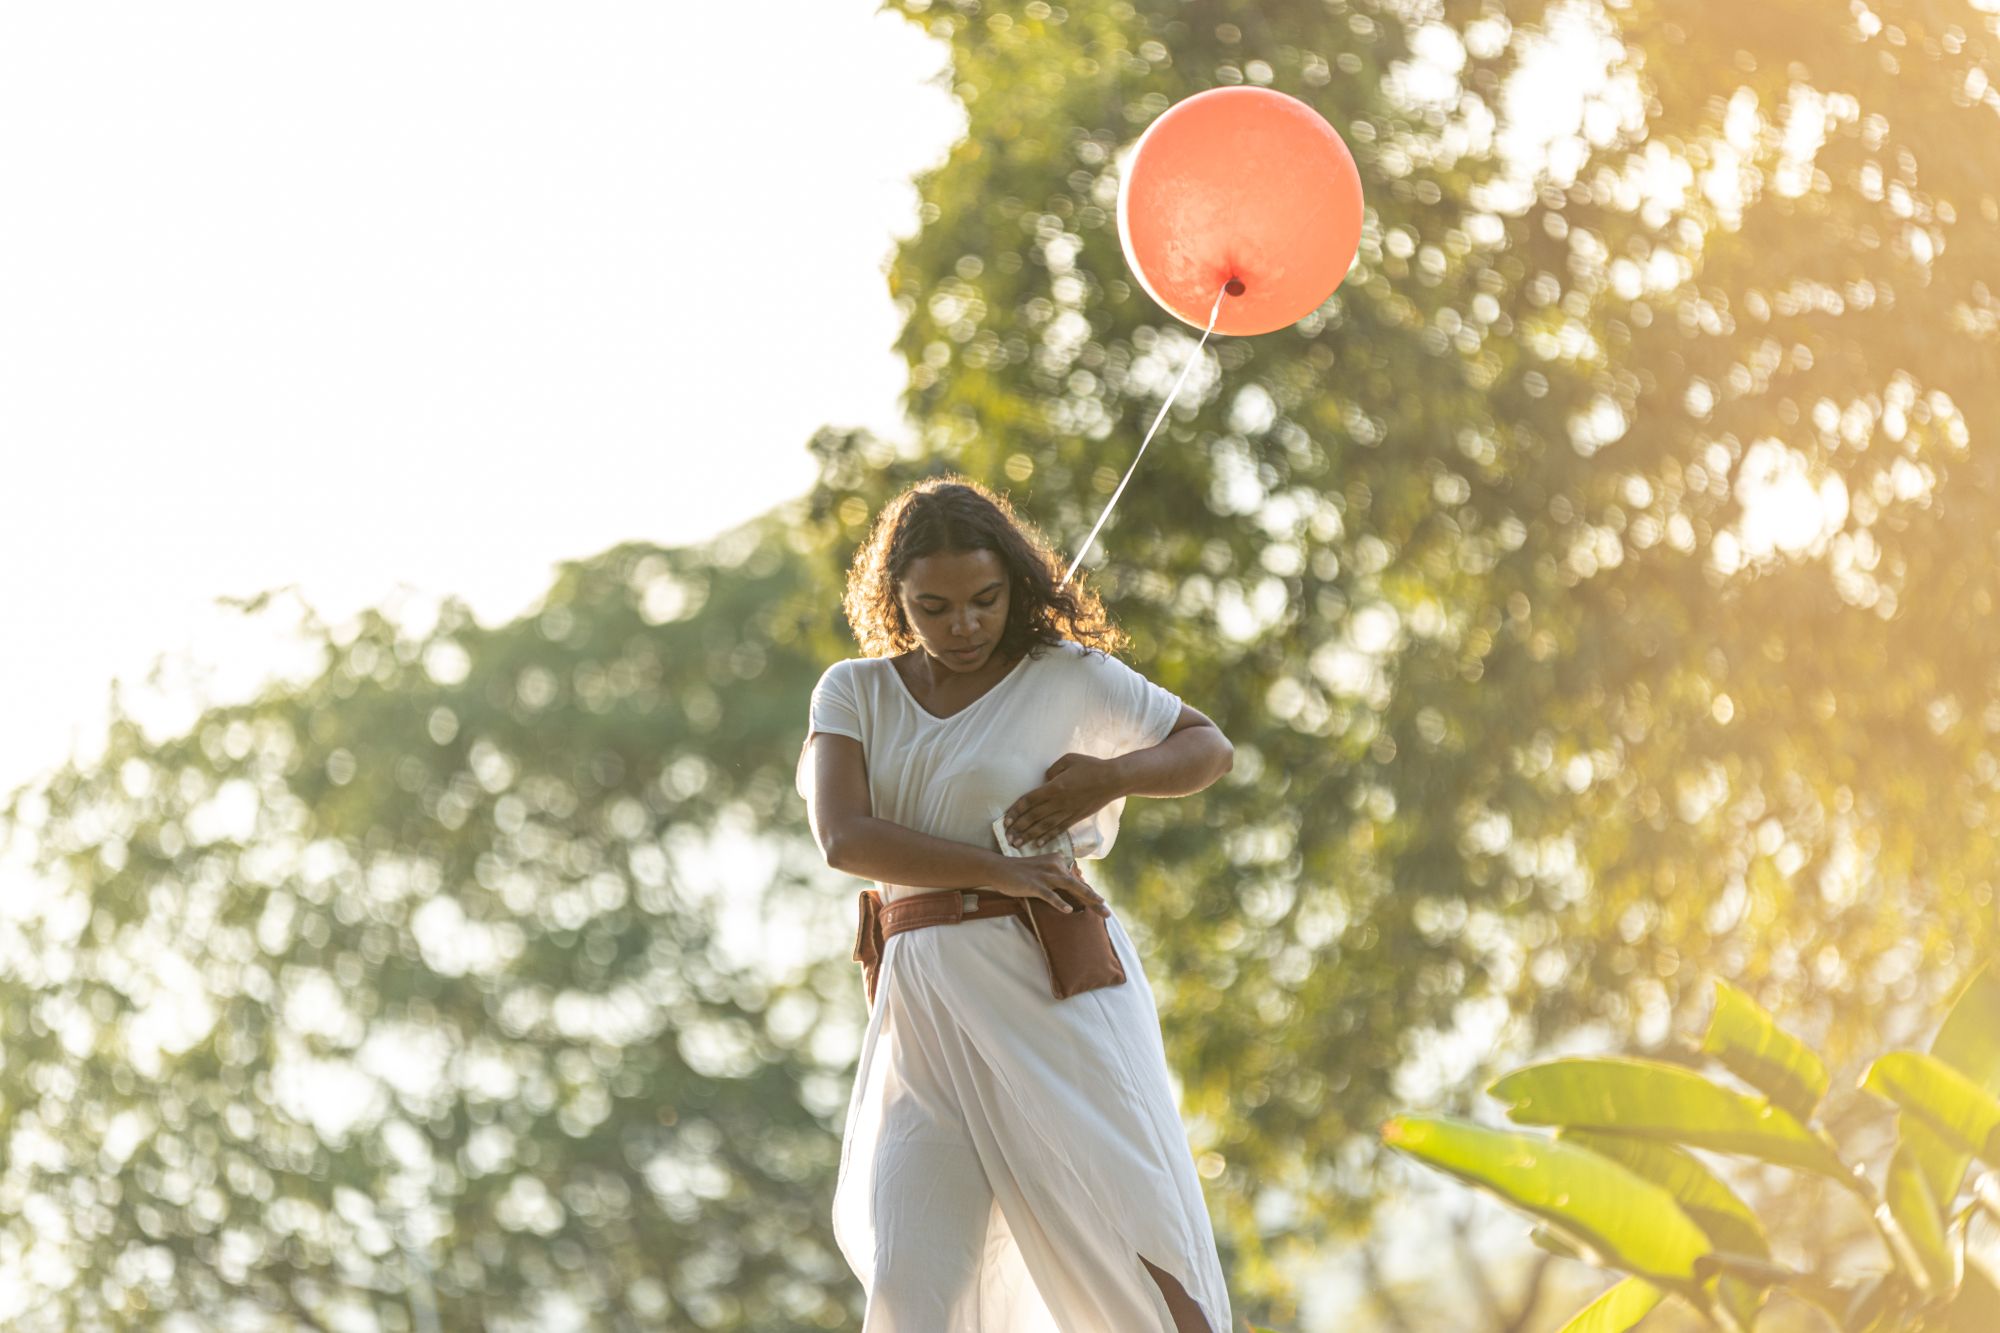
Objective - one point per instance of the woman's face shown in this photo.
(953, 600)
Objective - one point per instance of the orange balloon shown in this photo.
(1245, 184)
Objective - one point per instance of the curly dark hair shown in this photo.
(954, 514)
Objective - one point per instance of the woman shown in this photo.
(1012, 1162)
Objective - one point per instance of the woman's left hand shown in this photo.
(1078, 786)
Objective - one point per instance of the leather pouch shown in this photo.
(1076, 944)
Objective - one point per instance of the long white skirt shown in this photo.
(1009, 1157)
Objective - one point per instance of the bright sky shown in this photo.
(394, 301)
(431, 295)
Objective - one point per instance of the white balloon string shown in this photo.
(1172, 394)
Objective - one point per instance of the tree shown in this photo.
(384, 996)
(1530, 712)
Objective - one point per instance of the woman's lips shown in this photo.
(966, 652)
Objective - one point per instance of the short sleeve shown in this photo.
(1129, 712)
(1123, 712)
(835, 708)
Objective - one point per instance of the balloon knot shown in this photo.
(1234, 287)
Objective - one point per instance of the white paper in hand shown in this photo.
(1061, 842)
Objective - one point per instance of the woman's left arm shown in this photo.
(1194, 754)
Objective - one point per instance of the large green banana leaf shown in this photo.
(1709, 1204)
(1917, 1220)
(1940, 1096)
(1620, 1219)
(1969, 1041)
(1618, 1309)
(1749, 1043)
(1650, 1099)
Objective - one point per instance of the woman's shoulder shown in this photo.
(850, 673)
(1082, 666)
(1069, 651)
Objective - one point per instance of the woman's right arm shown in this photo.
(880, 849)
(854, 841)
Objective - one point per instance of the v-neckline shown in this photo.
(904, 686)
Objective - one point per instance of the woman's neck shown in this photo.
(931, 676)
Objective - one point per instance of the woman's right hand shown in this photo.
(1047, 877)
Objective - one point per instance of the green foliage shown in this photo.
(1724, 1218)
(1619, 1218)
(1914, 1211)
(1714, 1207)
(396, 996)
(1755, 1049)
(1648, 1099)
(1968, 1041)
(1940, 1096)
(1618, 1309)
(1631, 1122)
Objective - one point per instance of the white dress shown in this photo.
(1009, 1157)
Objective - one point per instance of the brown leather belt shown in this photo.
(1076, 945)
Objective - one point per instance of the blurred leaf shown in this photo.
(1941, 1097)
(1648, 1099)
(1619, 1309)
(1626, 1221)
(1712, 1205)
(1968, 1040)
(1727, 1221)
(1917, 1219)
(1750, 1044)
